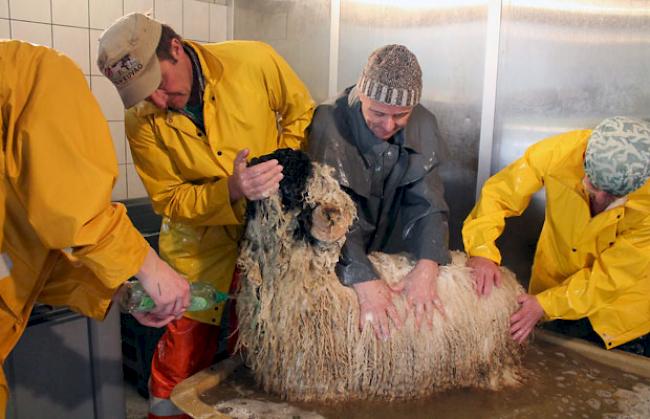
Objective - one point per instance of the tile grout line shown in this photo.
(11, 35)
(51, 26)
(90, 58)
(57, 24)
(126, 172)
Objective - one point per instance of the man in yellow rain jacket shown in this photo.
(194, 114)
(64, 242)
(593, 255)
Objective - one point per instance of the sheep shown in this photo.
(299, 326)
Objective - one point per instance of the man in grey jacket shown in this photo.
(385, 148)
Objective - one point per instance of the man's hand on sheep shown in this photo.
(376, 307)
(420, 289)
(524, 320)
(254, 182)
(486, 274)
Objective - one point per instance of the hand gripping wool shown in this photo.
(299, 327)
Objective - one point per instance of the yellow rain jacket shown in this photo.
(249, 91)
(64, 242)
(596, 267)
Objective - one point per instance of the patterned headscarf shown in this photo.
(617, 159)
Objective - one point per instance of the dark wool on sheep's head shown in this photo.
(297, 170)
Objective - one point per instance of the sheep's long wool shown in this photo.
(299, 327)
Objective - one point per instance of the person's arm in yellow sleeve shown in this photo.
(216, 202)
(289, 97)
(171, 195)
(506, 194)
(62, 166)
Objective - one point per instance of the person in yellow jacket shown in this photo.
(195, 113)
(593, 255)
(64, 242)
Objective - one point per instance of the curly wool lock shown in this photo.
(300, 327)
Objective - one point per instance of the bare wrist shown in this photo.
(426, 263)
(233, 190)
(148, 266)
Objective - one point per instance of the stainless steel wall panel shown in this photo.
(564, 64)
(488, 106)
(298, 30)
(448, 38)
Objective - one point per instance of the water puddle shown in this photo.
(559, 384)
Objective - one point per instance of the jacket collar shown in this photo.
(617, 203)
(414, 164)
(366, 141)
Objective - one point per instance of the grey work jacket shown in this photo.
(411, 216)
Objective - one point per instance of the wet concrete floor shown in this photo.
(559, 383)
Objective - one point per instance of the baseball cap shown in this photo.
(127, 57)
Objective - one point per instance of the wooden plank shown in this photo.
(186, 395)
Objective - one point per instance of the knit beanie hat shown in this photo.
(617, 159)
(392, 76)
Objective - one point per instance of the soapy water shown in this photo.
(559, 384)
(260, 409)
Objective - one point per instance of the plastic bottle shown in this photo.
(203, 297)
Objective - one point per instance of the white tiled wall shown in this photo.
(74, 43)
(31, 10)
(196, 27)
(104, 12)
(4, 29)
(70, 12)
(4, 9)
(37, 33)
(73, 27)
(170, 12)
(137, 6)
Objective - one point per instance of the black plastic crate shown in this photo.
(138, 345)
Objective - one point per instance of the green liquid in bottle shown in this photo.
(203, 297)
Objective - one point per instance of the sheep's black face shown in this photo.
(297, 169)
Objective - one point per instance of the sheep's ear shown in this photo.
(328, 223)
